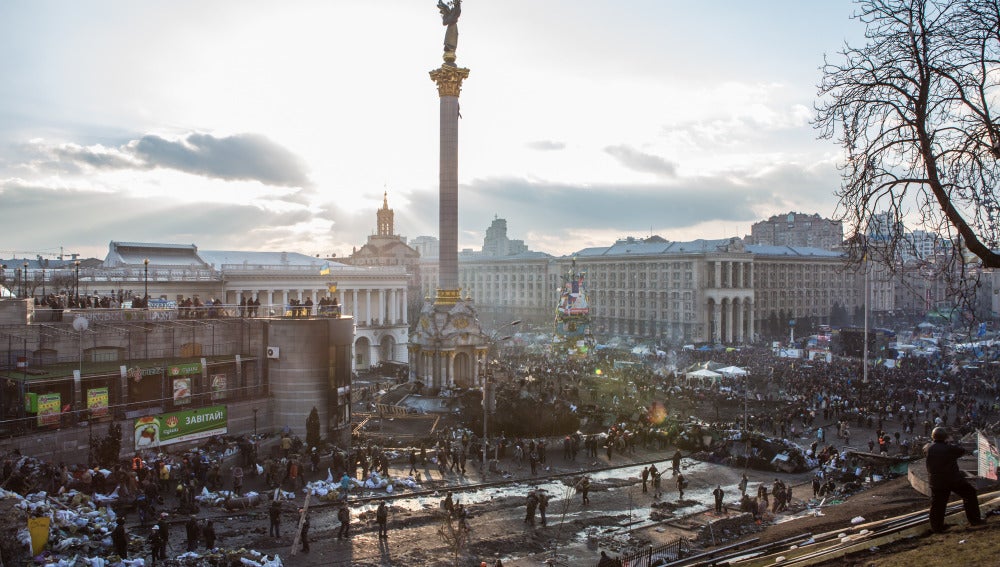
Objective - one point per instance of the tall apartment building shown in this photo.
(798, 229)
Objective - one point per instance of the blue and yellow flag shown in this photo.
(325, 269)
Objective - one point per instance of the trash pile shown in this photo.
(70, 527)
(330, 489)
(759, 453)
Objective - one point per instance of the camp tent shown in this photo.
(703, 376)
(732, 371)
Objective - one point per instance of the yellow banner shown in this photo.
(39, 530)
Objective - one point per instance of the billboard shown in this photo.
(180, 426)
(97, 401)
(49, 408)
(182, 391)
(218, 386)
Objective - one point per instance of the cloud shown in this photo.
(240, 157)
(546, 145)
(559, 218)
(108, 216)
(642, 162)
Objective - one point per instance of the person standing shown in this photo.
(193, 532)
(945, 477)
(158, 543)
(583, 486)
(238, 480)
(208, 534)
(677, 463)
(531, 504)
(382, 518)
(719, 494)
(274, 513)
(543, 504)
(304, 534)
(645, 477)
(681, 483)
(657, 487)
(344, 515)
(744, 481)
(120, 539)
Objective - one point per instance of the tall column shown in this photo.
(718, 274)
(354, 306)
(739, 321)
(449, 83)
(406, 303)
(729, 306)
(750, 317)
(381, 307)
(368, 307)
(716, 322)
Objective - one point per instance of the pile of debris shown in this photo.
(330, 489)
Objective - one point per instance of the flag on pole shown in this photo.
(325, 269)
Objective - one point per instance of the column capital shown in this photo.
(449, 79)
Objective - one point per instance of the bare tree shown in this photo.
(913, 110)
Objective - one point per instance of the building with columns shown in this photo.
(375, 296)
(386, 248)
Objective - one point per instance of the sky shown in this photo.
(278, 126)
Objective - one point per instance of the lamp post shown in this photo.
(24, 278)
(255, 423)
(43, 282)
(145, 279)
(76, 285)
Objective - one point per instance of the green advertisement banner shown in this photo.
(177, 427)
(184, 369)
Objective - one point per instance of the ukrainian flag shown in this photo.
(325, 269)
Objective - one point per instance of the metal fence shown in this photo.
(652, 556)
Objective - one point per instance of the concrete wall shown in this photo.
(309, 370)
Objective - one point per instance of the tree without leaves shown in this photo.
(913, 110)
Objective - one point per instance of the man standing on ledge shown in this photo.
(945, 478)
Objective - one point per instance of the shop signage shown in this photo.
(177, 427)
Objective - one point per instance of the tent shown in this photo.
(732, 371)
(703, 376)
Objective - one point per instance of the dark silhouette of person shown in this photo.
(945, 477)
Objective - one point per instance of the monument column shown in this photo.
(449, 79)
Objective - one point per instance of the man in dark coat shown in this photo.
(344, 515)
(304, 535)
(382, 517)
(120, 539)
(193, 531)
(945, 478)
(208, 534)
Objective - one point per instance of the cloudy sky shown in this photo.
(278, 125)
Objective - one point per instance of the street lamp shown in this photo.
(24, 278)
(76, 287)
(145, 277)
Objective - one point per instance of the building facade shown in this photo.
(799, 230)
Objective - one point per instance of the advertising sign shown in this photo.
(49, 406)
(177, 427)
(184, 369)
(182, 390)
(218, 386)
(988, 458)
(97, 401)
(30, 402)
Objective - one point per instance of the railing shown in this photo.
(659, 555)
